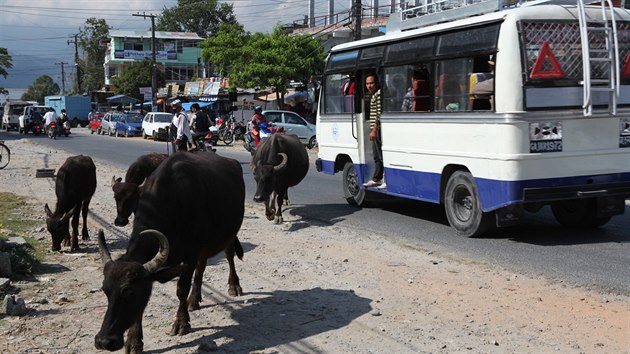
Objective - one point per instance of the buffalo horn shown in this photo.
(102, 246)
(282, 164)
(159, 259)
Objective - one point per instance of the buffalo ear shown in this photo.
(165, 274)
(47, 210)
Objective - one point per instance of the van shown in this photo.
(30, 114)
(12, 112)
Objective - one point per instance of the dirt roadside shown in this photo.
(309, 287)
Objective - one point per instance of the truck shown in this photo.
(77, 108)
(12, 112)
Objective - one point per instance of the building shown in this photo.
(178, 54)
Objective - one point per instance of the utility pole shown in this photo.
(153, 64)
(358, 12)
(63, 77)
(76, 61)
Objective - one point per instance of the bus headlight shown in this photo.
(545, 137)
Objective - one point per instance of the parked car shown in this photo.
(95, 123)
(119, 123)
(156, 124)
(293, 123)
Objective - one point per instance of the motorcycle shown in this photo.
(239, 130)
(65, 128)
(206, 141)
(265, 130)
(226, 131)
(37, 128)
(52, 130)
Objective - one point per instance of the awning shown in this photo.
(122, 99)
(187, 105)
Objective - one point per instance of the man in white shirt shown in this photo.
(180, 122)
(49, 117)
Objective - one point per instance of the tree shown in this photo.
(225, 48)
(91, 35)
(42, 86)
(133, 77)
(203, 17)
(270, 60)
(5, 63)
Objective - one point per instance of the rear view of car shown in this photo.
(156, 125)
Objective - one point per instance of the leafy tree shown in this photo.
(133, 77)
(203, 17)
(5, 63)
(91, 35)
(42, 86)
(266, 60)
(225, 48)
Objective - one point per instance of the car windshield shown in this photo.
(134, 119)
(163, 118)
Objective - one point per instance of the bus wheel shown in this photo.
(578, 213)
(352, 191)
(462, 206)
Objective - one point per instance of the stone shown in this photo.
(15, 242)
(13, 306)
(4, 283)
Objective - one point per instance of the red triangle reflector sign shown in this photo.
(546, 54)
(625, 72)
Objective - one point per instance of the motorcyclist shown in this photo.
(61, 119)
(49, 117)
(254, 123)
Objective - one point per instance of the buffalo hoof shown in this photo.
(279, 219)
(193, 306)
(180, 329)
(85, 237)
(134, 348)
(235, 290)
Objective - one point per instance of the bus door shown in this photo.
(362, 130)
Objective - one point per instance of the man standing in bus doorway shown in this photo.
(485, 88)
(371, 86)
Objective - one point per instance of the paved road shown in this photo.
(599, 258)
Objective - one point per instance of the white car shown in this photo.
(156, 125)
(293, 123)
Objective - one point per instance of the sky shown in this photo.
(36, 32)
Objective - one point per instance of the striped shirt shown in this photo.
(375, 108)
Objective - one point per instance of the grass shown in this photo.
(16, 220)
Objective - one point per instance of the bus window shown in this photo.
(407, 89)
(451, 85)
(339, 93)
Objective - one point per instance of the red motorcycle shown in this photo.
(52, 130)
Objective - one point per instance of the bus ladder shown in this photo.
(593, 56)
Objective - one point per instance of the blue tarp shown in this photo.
(122, 99)
(187, 105)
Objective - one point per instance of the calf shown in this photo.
(173, 235)
(75, 184)
(127, 193)
(280, 162)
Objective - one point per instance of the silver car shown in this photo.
(294, 124)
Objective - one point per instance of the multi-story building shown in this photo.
(178, 54)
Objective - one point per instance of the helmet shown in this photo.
(63, 111)
(258, 109)
(176, 103)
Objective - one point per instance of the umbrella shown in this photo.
(122, 99)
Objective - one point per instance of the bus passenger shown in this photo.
(371, 85)
(485, 88)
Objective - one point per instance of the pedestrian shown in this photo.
(371, 85)
(179, 129)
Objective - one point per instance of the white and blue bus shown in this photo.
(555, 130)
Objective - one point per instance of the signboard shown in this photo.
(142, 54)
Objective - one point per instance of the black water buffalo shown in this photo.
(280, 162)
(75, 184)
(173, 235)
(127, 193)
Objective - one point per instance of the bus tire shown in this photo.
(463, 207)
(578, 213)
(352, 191)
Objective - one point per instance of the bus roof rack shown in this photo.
(431, 12)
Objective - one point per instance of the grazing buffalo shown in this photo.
(173, 234)
(75, 184)
(280, 162)
(127, 193)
